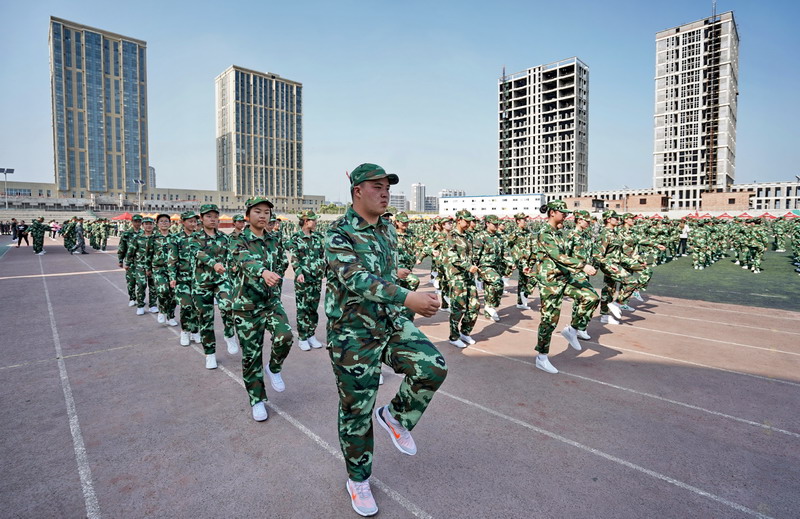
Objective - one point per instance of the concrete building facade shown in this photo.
(499, 205)
(99, 103)
(399, 201)
(543, 130)
(418, 197)
(696, 83)
(259, 133)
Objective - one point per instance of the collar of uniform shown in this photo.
(250, 235)
(358, 222)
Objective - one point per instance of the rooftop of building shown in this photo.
(698, 24)
(95, 29)
(269, 75)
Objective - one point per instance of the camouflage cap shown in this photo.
(627, 215)
(207, 208)
(610, 213)
(491, 218)
(186, 215)
(464, 215)
(147, 219)
(163, 214)
(238, 218)
(401, 217)
(136, 218)
(308, 214)
(520, 216)
(369, 171)
(558, 205)
(251, 202)
(583, 215)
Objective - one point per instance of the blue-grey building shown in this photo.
(99, 88)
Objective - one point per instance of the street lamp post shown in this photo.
(7, 172)
(139, 183)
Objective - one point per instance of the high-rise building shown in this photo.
(399, 201)
(99, 96)
(152, 178)
(259, 134)
(431, 204)
(418, 197)
(697, 69)
(543, 130)
(451, 192)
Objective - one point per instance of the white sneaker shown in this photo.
(260, 412)
(492, 313)
(172, 322)
(543, 363)
(582, 335)
(401, 437)
(523, 307)
(314, 342)
(458, 343)
(467, 339)
(184, 338)
(211, 361)
(361, 498)
(524, 298)
(608, 319)
(615, 309)
(153, 309)
(196, 338)
(506, 282)
(436, 284)
(161, 318)
(571, 335)
(276, 380)
(233, 345)
(736, 262)
(443, 309)
(638, 295)
(304, 345)
(140, 311)
(132, 302)
(701, 267)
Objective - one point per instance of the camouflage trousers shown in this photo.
(492, 286)
(165, 294)
(307, 296)
(584, 301)
(464, 306)
(69, 243)
(411, 282)
(183, 296)
(699, 256)
(250, 327)
(102, 241)
(627, 286)
(38, 243)
(356, 358)
(525, 285)
(130, 282)
(204, 305)
(754, 256)
(644, 275)
(144, 281)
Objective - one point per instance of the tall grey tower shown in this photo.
(543, 130)
(99, 95)
(259, 134)
(697, 70)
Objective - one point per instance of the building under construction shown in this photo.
(697, 69)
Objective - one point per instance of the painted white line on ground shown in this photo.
(727, 343)
(84, 471)
(413, 509)
(65, 357)
(55, 274)
(773, 330)
(609, 457)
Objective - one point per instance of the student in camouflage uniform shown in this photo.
(409, 247)
(494, 263)
(238, 225)
(608, 257)
(179, 270)
(257, 304)
(520, 243)
(159, 266)
(560, 274)
(122, 251)
(68, 232)
(103, 230)
(366, 326)
(211, 281)
(274, 228)
(461, 269)
(37, 231)
(307, 247)
(137, 258)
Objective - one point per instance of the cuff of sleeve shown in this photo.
(400, 295)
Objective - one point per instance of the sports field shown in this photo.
(686, 409)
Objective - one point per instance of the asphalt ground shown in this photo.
(686, 409)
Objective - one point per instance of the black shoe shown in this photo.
(84, 252)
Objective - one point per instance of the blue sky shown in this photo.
(409, 85)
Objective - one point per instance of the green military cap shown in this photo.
(147, 219)
(251, 202)
(369, 171)
(558, 205)
(136, 218)
(273, 217)
(308, 214)
(186, 215)
(583, 215)
(626, 216)
(491, 218)
(238, 218)
(609, 213)
(520, 216)
(464, 215)
(162, 214)
(401, 217)
(207, 208)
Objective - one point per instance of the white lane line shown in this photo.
(66, 357)
(773, 330)
(609, 457)
(412, 508)
(55, 274)
(84, 471)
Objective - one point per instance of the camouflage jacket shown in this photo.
(308, 255)
(457, 255)
(179, 259)
(38, 229)
(362, 295)
(209, 250)
(580, 244)
(124, 243)
(608, 249)
(489, 251)
(409, 248)
(555, 264)
(251, 256)
(140, 249)
(281, 259)
(160, 251)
